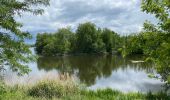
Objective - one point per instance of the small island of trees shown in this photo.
(87, 39)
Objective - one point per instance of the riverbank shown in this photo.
(69, 90)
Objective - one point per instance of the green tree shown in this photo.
(13, 51)
(41, 41)
(161, 54)
(63, 40)
(110, 39)
(107, 36)
(47, 42)
(134, 44)
(52, 44)
(88, 38)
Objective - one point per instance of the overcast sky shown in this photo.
(122, 16)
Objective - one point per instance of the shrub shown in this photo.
(51, 88)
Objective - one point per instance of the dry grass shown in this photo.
(12, 80)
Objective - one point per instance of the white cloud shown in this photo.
(122, 16)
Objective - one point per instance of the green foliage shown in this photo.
(46, 90)
(160, 52)
(16, 93)
(133, 44)
(110, 39)
(109, 94)
(87, 39)
(3, 88)
(13, 51)
(61, 42)
(54, 90)
(44, 38)
(51, 88)
(142, 43)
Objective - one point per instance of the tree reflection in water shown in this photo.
(89, 67)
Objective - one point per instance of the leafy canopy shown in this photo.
(59, 42)
(13, 51)
(87, 39)
(161, 54)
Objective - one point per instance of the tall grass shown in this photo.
(54, 88)
(68, 89)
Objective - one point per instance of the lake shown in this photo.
(95, 71)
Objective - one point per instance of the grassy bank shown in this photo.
(69, 90)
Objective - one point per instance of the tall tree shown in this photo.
(13, 51)
(88, 38)
(63, 40)
(110, 39)
(52, 44)
(107, 36)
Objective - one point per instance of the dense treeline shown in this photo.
(90, 39)
(141, 43)
(87, 39)
(59, 42)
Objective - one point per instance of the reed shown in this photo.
(67, 88)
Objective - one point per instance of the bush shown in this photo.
(49, 89)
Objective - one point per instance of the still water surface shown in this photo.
(95, 71)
